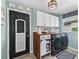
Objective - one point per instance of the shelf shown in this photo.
(47, 27)
(69, 22)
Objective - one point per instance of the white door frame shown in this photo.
(8, 28)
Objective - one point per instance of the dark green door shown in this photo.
(18, 33)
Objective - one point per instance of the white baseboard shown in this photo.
(31, 51)
(72, 49)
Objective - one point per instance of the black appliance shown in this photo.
(59, 42)
(56, 44)
(64, 40)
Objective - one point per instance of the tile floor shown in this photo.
(31, 56)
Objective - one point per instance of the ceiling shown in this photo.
(64, 6)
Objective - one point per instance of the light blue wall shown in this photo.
(72, 36)
(60, 24)
(3, 34)
(73, 39)
(33, 23)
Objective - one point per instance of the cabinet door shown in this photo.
(40, 18)
(52, 21)
(47, 19)
(56, 21)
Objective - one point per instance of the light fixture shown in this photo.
(52, 4)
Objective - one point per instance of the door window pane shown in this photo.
(20, 26)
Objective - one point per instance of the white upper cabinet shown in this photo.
(40, 18)
(54, 21)
(47, 19)
(57, 21)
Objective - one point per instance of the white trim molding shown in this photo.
(31, 51)
(18, 6)
(73, 49)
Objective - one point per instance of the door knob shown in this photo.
(28, 35)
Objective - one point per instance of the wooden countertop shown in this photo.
(46, 33)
